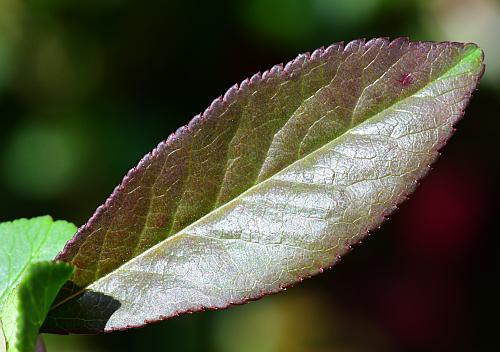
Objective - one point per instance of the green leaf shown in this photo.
(23, 242)
(28, 304)
(25, 246)
(3, 343)
(271, 184)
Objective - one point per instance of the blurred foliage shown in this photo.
(87, 87)
(294, 322)
(470, 21)
(43, 161)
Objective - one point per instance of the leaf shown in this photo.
(3, 343)
(271, 184)
(28, 304)
(29, 284)
(25, 241)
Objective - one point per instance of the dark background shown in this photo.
(89, 86)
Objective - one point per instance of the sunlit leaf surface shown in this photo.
(28, 281)
(271, 184)
(28, 304)
(25, 241)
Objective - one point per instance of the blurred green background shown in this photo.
(89, 86)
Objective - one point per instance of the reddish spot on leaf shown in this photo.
(405, 79)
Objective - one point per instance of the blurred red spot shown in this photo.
(422, 310)
(443, 218)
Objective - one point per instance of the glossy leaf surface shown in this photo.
(269, 185)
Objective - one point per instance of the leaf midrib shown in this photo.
(472, 52)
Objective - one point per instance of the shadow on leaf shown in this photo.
(90, 312)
